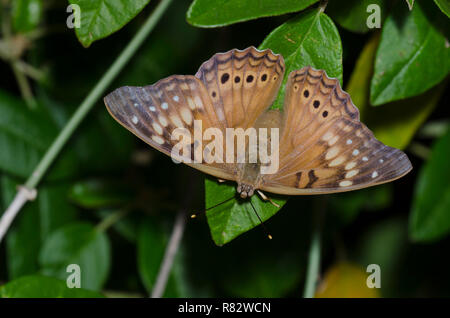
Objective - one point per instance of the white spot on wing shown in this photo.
(176, 120)
(365, 158)
(374, 174)
(164, 105)
(350, 165)
(186, 115)
(345, 183)
(351, 173)
(381, 160)
(157, 128)
(191, 103)
(332, 153)
(152, 108)
(349, 141)
(355, 152)
(158, 139)
(163, 121)
(327, 136)
(176, 98)
(333, 140)
(198, 102)
(337, 161)
(134, 120)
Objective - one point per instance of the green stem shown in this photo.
(95, 94)
(29, 70)
(21, 79)
(24, 86)
(312, 272)
(111, 219)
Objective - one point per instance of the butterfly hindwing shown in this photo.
(242, 84)
(324, 147)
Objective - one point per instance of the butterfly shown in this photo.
(323, 146)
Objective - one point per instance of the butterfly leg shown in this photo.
(266, 198)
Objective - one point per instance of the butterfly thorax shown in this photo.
(249, 180)
(249, 176)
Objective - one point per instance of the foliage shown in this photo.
(108, 201)
(431, 204)
(31, 287)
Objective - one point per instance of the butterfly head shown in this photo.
(245, 190)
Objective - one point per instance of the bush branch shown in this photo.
(83, 109)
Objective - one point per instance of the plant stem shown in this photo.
(111, 219)
(169, 255)
(95, 94)
(313, 266)
(30, 70)
(323, 4)
(312, 272)
(21, 79)
(24, 86)
(174, 243)
(81, 112)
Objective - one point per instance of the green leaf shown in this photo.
(77, 243)
(102, 145)
(352, 14)
(25, 136)
(358, 85)
(269, 278)
(215, 13)
(395, 123)
(231, 219)
(312, 39)
(444, 5)
(43, 287)
(384, 243)
(100, 18)
(153, 237)
(26, 14)
(97, 193)
(412, 56)
(34, 224)
(429, 219)
(126, 226)
(346, 206)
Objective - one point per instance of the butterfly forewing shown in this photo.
(242, 84)
(324, 147)
(154, 112)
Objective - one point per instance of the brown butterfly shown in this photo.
(323, 147)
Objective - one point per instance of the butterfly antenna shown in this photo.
(262, 223)
(194, 215)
